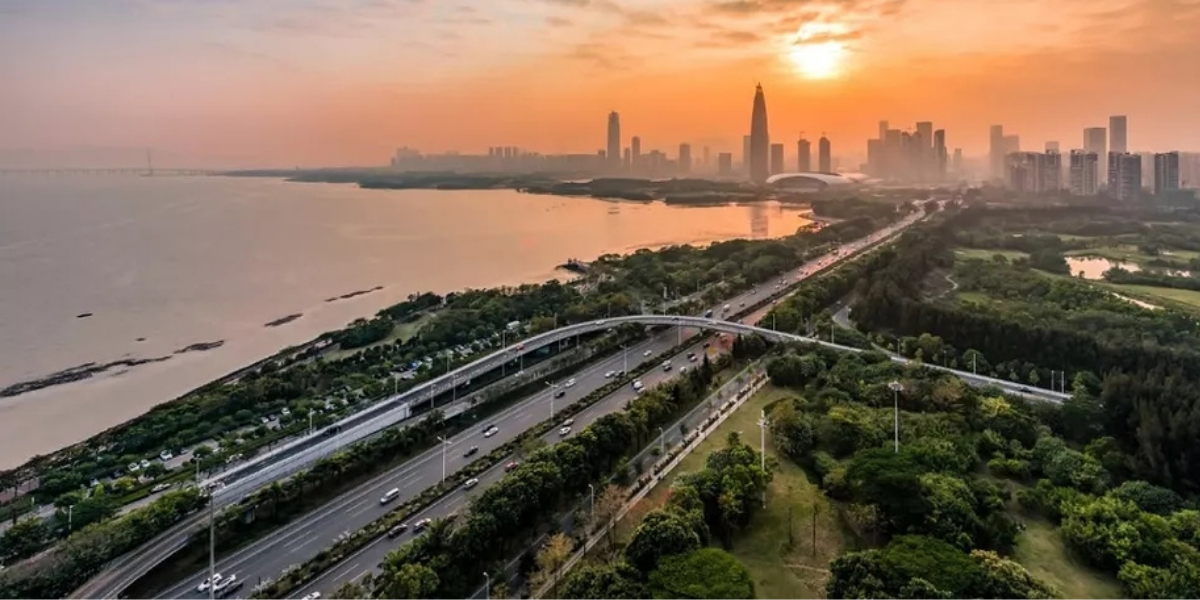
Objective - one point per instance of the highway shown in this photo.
(305, 537)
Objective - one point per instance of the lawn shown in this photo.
(987, 253)
(401, 333)
(1042, 551)
(781, 567)
(1131, 253)
(1187, 298)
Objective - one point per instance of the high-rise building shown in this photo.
(883, 129)
(705, 160)
(1084, 167)
(1035, 173)
(776, 159)
(627, 161)
(939, 153)
(957, 162)
(1052, 181)
(1051, 146)
(614, 141)
(760, 139)
(804, 156)
(1166, 173)
(1093, 141)
(996, 151)
(1125, 179)
(875, 157)
(1012, 143)
(725, 164)
(1118, 134)
(685, 158)
(824, 155)
(636, 145)
(924, 158)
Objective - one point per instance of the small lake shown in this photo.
(1093, 267)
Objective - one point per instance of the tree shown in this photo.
(408, 580)
(608, 504)
(660, 534)
(352, 590)
(703, 573)
(550, 559)
(24, 539)
(1000, 577)
(602, 581)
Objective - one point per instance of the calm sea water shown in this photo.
(180, 261)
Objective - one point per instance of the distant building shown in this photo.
(776, 159)
(614, 141)
(1084, 172)
(706, 160)
(939, 154)
(725, 164)
(996, 151)
(1118, 134)
(1035, 173)
(804, 156)
(760, 139)
(1095, 142)
(824, 155)
(685, 158)
(1051, 146)
(1126, 185)
(746, 155)
(635, 162)
(1166, 173)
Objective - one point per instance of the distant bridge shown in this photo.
(126, 172)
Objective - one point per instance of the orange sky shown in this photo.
(329, 82)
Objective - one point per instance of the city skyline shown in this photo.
(324, 83)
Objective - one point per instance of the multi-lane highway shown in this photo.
(302, 539)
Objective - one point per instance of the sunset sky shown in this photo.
(339, 82)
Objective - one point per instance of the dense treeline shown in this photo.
(941, 528)
(668, 555)
(1149, 398)
(504, 516)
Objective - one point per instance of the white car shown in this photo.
(203, 587)
(165, 455)
(564, 432)
(224, 583)
(491, 431)
(472, 482)
(313, 596)
(609, 374)
(568, 422)
(569, 383)
(647, 353)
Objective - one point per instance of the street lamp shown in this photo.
(212, 544)
(70, 517)
(762, 449)
(487, 587)
(310, 422)
(553, 389)
(662, 441)
(624, 359)
(592, 492)
(445, 442)
(896, 388)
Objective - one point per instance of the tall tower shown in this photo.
(635, 145)
(804, 156)
(824, 155)
(614, 141)
(1117, 134)
(760, 140)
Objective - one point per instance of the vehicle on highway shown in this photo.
(510, 466)
(637, 385)
(564, 431)
(472, 451)
(313, 596)
(691, 356)
(472, 482)
(647, 353)
(560, 393)
(165, 455)
(666, 367)
(203, 587)
(224, 583)
(682, 370)
(421, 525)
(490, 431)
(391, 494)
(708, 314)
(397, 530)
(568, 422)
(231, 588)
(569, 383)
(609, 374)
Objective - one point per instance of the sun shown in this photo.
(822, 60)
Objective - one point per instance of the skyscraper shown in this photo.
(996, 151)
(939, 153)
(725, 164)
(1166, 173)
(760, 139)
(704, 161)
(635, 145)
(804, 156)
(1117, 134)
(1127, 183)
(614, 141)
(746, 155)
(1051, 146)
(824, 155)
(1083, 172)
(776, 159)
(685, 158)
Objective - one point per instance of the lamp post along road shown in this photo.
(445, 442)
(212, 546)
(487, 587)
(762, 449)
(896, 388)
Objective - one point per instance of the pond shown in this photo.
(1093, 267)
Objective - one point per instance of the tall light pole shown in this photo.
(445, 442)
(487, 587)
(662, 441)
(212, 544)
(896, 388)
(310, 422)
(624, 359)
(70, 517)
(762, 449)
(592, 508)
(553, 390)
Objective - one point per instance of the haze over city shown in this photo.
(273, 83)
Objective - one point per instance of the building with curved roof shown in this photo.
(810, 180)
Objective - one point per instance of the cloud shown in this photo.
(559, 21)
(600, 55)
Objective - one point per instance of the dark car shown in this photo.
(472, 451)
(560, 393)
(488, 428)
(397, 530)
(228, 590)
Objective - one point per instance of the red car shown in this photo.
(510, 466)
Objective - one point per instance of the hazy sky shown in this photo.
(285, 82)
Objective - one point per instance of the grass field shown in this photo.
(986, 253)
(1187, 299)
(781, 567)
(1042, 551)
(400, 334)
